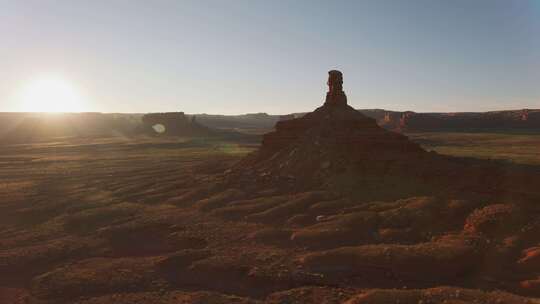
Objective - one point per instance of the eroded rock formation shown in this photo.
(333, 140)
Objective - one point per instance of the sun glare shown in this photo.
(50, 94)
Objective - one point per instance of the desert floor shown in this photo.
(123, 220)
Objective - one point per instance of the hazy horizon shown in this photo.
(255, 113)
(253, 56)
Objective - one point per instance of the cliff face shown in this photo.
(425, 122)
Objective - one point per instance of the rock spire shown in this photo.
(335, 95)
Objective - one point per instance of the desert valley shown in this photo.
(330, 207)
(269, 152)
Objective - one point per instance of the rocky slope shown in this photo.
(331, 143)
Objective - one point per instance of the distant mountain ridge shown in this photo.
(401, 121)
(526, 119)
(24, 127)
(180, 124)
(30, 127)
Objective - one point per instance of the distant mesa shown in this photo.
(408, 121)
(525, 120)
(287, 117)
(174, 124)
(182, 125)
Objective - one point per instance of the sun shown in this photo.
(50, 94)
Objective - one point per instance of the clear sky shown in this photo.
(234, 56)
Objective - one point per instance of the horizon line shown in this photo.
(266, 113)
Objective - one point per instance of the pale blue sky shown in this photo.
(272, 56)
